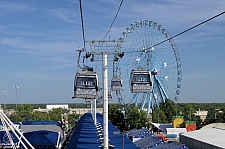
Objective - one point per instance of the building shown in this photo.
(202, 114)
(208, 138)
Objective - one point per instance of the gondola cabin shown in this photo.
(86, 85)
(110, 96)
(116, 84)
(140, 81)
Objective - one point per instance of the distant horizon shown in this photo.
(119, 103)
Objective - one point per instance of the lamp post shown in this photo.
(4, 94)
(16, 87)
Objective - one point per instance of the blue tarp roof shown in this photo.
(85, 135)
(41, 123)
(4, 139)
(42, 138)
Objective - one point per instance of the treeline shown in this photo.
(133, 117)
(43, 106)
(196, 106)
(25, 112)
(164, 113)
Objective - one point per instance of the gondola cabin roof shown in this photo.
(141, 72)
(86, 74)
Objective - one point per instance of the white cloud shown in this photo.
(36, 47)
(37, 75)
(65, 14)
(16, 7)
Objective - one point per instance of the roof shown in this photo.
(41, 123)
(43, 138)
(4, 139)
(86, 135)
(28, 128)
(162, 127)
(215, 125)
(213, 136)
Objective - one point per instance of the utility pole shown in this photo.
(16, 87)
(104, 54)
(4, 94)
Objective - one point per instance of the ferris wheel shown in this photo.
(140, 53)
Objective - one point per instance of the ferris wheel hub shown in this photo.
(154, 72)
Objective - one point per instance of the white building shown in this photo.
(49, 107)
(209, 138)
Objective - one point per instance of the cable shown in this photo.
(113, 19)
(188, 29)
(82, 24)
(182, 32)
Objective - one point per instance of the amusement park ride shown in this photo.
(160, 62)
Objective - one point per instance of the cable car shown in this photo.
(110, 96)
(86, 85)
(140, 81)
(116, 84)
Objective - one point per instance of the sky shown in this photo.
(39, 39)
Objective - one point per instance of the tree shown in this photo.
(129, 119)
(23, 112)
(116, 116)
(55, 114)
(133, 116)
(143, 122)
(72, 118)
(169, 108)
(158, 116)
(37, 116)
(210, 117)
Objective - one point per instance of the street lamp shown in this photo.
(16, 87)
(4, 94)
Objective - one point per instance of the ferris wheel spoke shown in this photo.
(133, 99)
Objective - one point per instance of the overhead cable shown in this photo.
(113, 19)
(188, 29)
(182, 32)
(82, 24)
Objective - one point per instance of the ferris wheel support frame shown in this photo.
(161, 87)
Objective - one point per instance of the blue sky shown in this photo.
(39, 39)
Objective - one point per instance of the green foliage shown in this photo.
(71, 118)
(129, 119)
(115, 114)
(169, 108)
(37, 116)
(135, 118)
(25, 112)
(158, 116)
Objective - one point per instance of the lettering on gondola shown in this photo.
(141, 78)
(86, 82)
